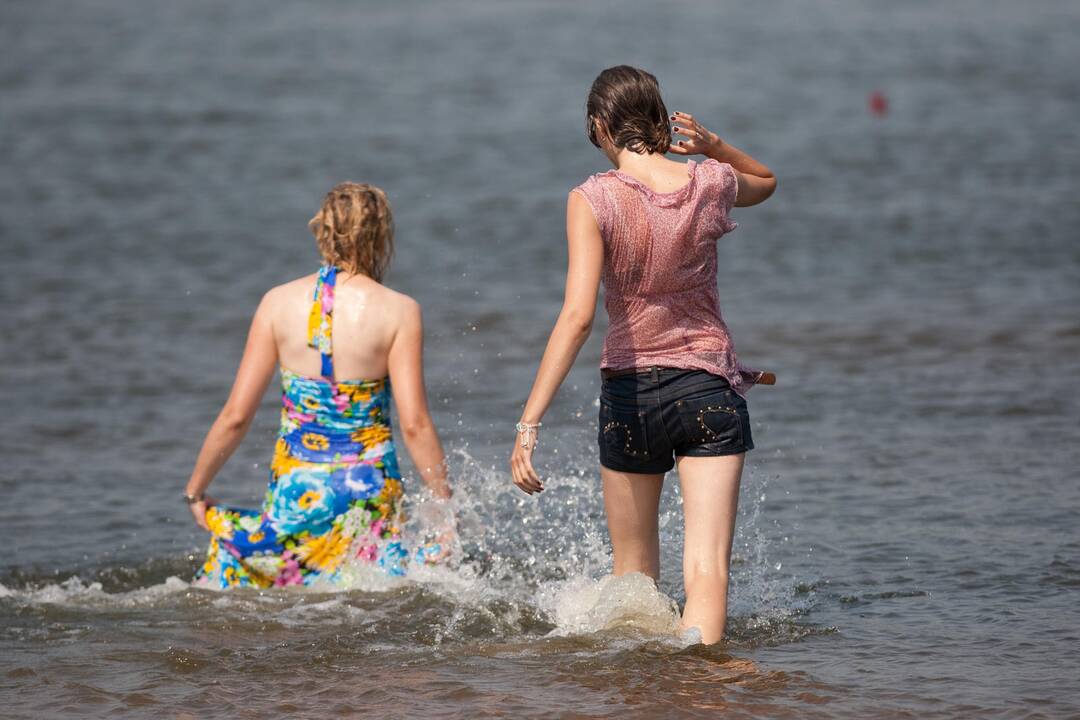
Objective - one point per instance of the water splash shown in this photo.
(520, 566)
(584, 606)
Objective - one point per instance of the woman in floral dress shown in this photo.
(335, 488)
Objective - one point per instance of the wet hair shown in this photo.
(628, 105)
(354, 229)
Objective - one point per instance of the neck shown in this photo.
(628, 160)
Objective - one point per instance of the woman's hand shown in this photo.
(521, 467)
(437, 528)
(198, 511)
(755, 180)
(699, 139)
(446, 539)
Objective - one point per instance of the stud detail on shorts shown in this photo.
(615, 424)
(709, 409)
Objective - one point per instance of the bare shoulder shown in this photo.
(292, 287)
(403, 306)
(280, 298)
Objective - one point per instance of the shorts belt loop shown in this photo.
(654, 375)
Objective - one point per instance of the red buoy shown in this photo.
(878, 103)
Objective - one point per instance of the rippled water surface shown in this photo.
(908, 542)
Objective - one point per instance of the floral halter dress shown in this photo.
(334, 487)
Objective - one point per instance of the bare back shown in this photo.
(367, 316)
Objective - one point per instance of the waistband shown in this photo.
(653, 372)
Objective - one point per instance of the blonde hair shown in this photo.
(354, 229)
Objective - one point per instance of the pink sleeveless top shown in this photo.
(660, 271)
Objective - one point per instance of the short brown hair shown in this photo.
(354, 229)
(627, 103)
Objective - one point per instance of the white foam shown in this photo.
(583, 605)
(509, 564)
(335, 611)
(361, 576)
(75, 592)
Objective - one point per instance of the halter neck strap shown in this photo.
(321, 319)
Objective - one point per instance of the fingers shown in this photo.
(200, 517)
(691, 145)
(525, 477)
(691, 128)
(438, 556)
(685, 124)
(691, 132)
(198, 512)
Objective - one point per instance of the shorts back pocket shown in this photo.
(622, 429)
(712, 420)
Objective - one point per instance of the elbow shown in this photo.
(761, 191)
(769, 188)
(414, 428)
(235, 421)
(578, 324)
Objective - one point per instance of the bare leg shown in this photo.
(632, 502)
(710, 491)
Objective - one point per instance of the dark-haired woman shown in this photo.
(673, 391)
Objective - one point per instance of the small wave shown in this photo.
(586, 606)
(775, 627)
(74, 591)
(522, 568)
(335, 611)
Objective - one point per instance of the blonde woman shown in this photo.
(340, 338)
(673, 390)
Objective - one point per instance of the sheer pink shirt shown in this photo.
(660, 271)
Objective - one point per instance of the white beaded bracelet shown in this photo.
(524, 429)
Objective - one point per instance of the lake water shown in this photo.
(908, 542)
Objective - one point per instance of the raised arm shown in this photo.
(572, 329)
(232, 423)
(756, 180)
(406, 363)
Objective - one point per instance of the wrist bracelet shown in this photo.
(192, 499)
(524, 429)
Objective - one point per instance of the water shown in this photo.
(907, 543)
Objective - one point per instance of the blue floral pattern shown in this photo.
(335, 487)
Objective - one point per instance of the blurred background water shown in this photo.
(908, 541)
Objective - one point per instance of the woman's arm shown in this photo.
(232, 423)
(756, 180)
(406, 363)
(586, 255)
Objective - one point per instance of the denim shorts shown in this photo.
(650, 417)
